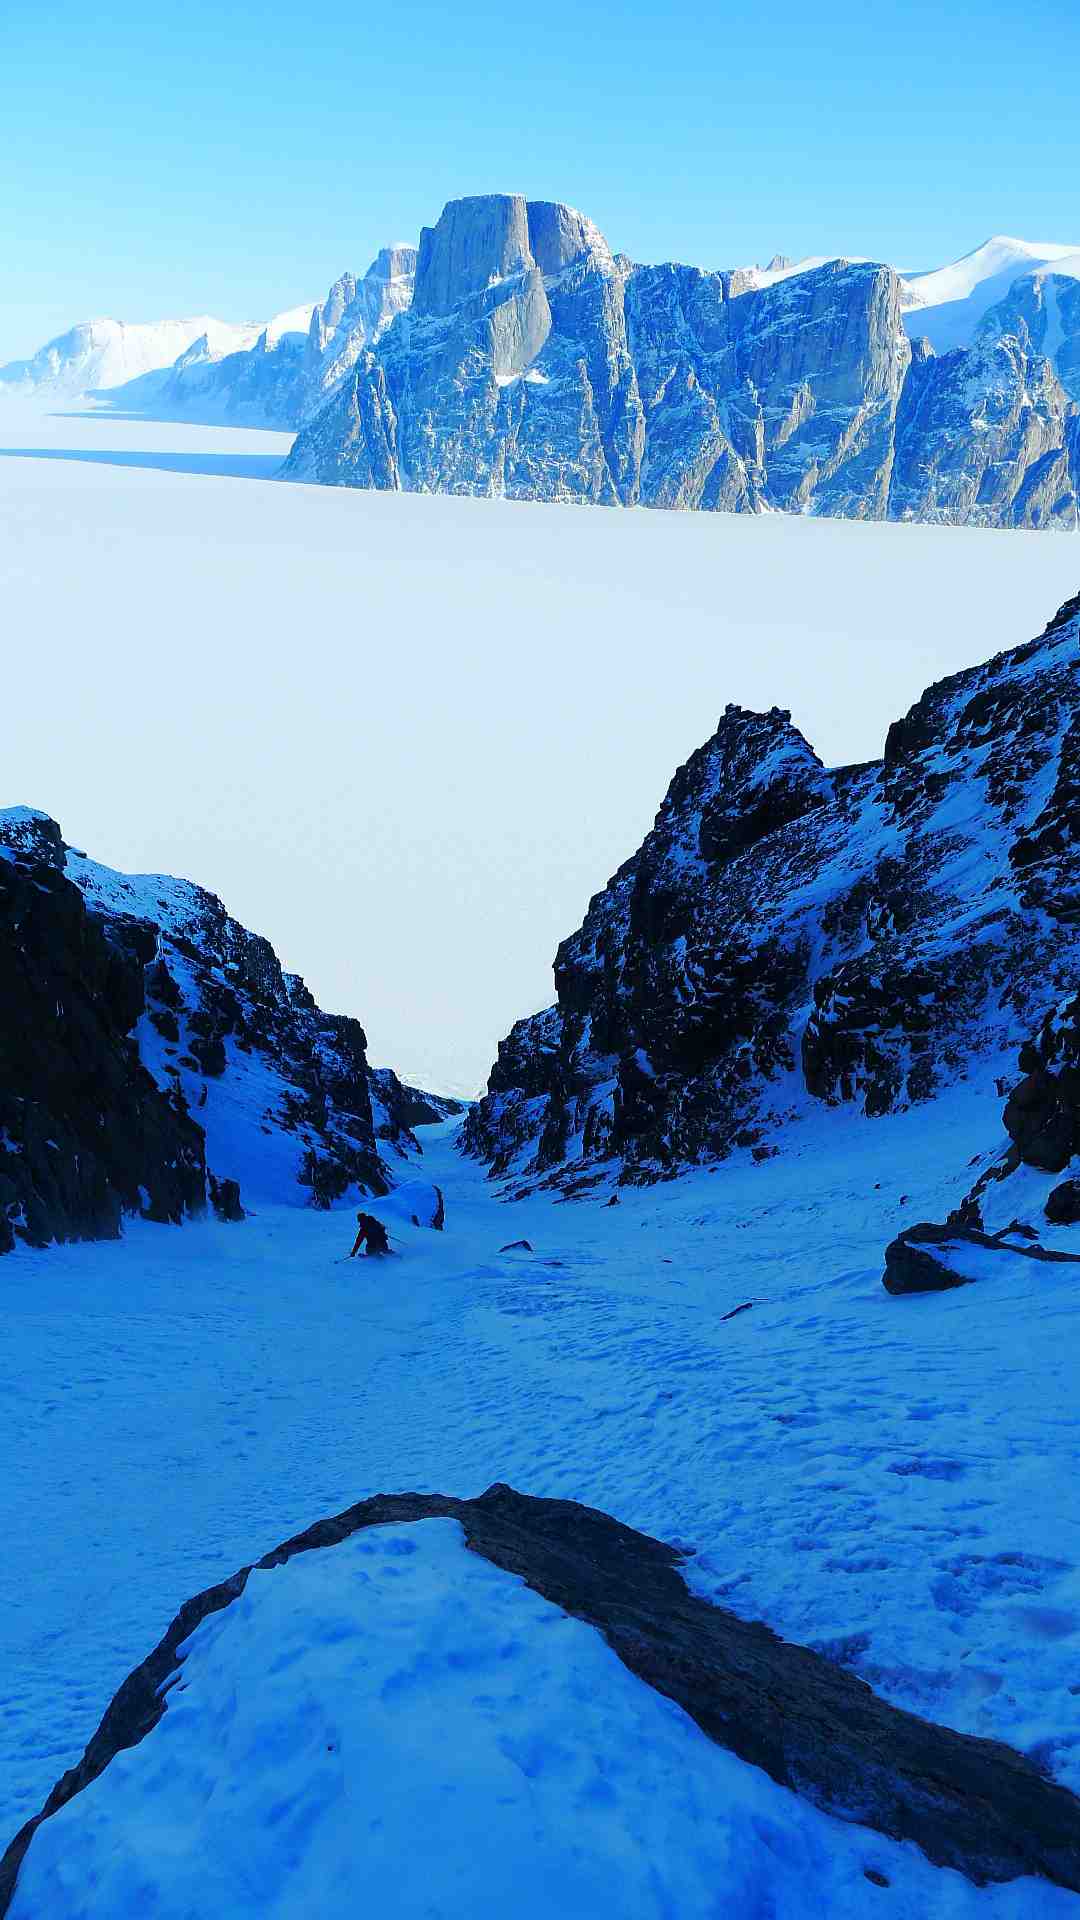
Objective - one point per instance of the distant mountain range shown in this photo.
(514, 354)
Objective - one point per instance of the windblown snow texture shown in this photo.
(788, 934)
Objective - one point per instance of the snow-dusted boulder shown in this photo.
(934, 1259)
(377, 1719)
(415, 1203)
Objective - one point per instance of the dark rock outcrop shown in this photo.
(86, 1134)
(855, 936)
(971, 1805)
(225, 1198)
(924, 1258)
(127, 1000)
(1063, 1204)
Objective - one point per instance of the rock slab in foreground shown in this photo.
(972, 1805)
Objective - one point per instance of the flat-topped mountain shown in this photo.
(514, 353)
(534, 363)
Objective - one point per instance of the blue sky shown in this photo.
(234, 160)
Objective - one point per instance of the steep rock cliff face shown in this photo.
(789, 935)
(152, 1048)
(287, 375)
(86, 1133)
(534, 364)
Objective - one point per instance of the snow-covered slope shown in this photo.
(946, 305)
(101, 354)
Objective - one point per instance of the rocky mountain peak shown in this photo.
(788, 935)
(26, 830)
(397, 262)
(488, 237)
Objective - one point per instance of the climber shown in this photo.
(371, 1236)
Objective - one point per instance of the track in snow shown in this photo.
(890, 1480)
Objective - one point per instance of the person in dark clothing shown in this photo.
(371, 1236)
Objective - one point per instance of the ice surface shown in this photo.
(408, 737)
(395, 1727)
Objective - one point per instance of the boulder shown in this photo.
(225, 1198)
(419, 1203)
(1063, 1204)
(972, 1805)
(923, 1258)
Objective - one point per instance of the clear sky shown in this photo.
(179, 158)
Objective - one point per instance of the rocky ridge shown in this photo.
(534, 363)
(286, 374)
(790, 938)
(154, 1057)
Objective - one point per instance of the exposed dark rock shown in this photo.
(159, 989)
(85, 1133)
(971, 1805)
(921, 1259)
(858, 935)
(398, 1108)
(225, 1198)
(1063, 1204)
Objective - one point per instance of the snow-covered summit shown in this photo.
(947, 304)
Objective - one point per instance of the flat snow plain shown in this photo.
(407, 738)
(889, 1480)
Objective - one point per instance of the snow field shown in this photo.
(436, 725)
(888, 1480)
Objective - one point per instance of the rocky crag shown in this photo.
(155, 1058)
(531, 362)
(790, 938)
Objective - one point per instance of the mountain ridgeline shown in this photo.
(514, 354)
(533, 363)
(156, 1059)
(790, 939)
